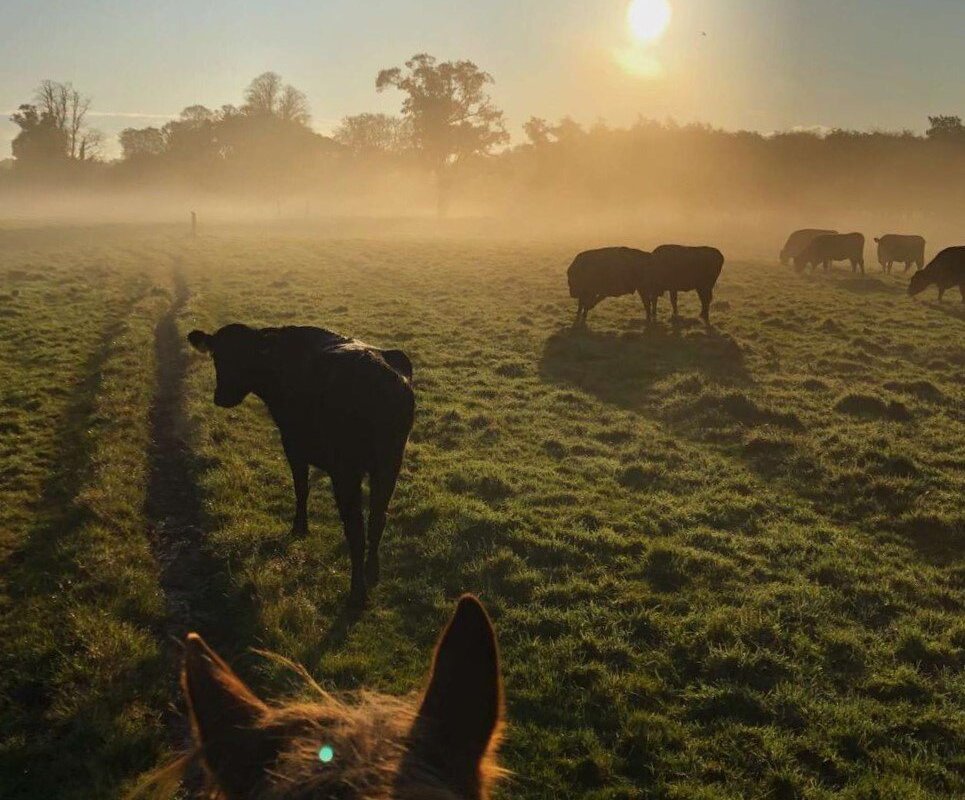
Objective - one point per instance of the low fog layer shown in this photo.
(445, 164)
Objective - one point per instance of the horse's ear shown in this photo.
(461, 711)
(224, 716)
(200, 341)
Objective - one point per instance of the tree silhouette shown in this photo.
(41, 140)
(62, 103)
(367, 134)
(451, 115)
(54, 129)
(267, 96)
(139, 143)
(946, 128)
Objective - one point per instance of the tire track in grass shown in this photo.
(42, 574)
(173, 502)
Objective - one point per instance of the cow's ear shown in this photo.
(224, 717)
(200, 341)
(460, 713)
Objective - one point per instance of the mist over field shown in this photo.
(452, 160)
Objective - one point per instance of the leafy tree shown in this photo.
(41, 140)
(946, 128)
(538, 131)
(452, 117)
(141, 142)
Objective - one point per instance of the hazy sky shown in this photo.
(763, 64)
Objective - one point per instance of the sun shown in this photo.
(648, 19)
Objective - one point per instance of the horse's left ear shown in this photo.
(224, 716)
(461, 711)
(200, 341)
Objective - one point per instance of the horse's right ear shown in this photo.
(224, 716)
(458, 722)
(200, 341)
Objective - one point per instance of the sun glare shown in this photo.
(648, 19)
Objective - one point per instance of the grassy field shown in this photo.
(722, 563)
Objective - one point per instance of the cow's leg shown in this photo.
(941, 293)
(673, 302)
(705, 295)
(347, 487)
(645, 299)
(299, 468)
(579, 310)
(381, 487)
(961, 288)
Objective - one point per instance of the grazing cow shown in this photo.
(675, 268)
(359, 747)
(798, 240)
(340, 405)
(946, 270)
(907, 249)
(829, 248)
(608, 272)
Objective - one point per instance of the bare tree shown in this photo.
(91, 144)
(261, 96)
(68, 110)
(267, 96)
(293, 106)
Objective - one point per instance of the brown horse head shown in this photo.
(373, 747)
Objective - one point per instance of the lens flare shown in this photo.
(648, 20)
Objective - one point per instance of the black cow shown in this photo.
(798, 240)
(833, 247)
(908, 249)
(675, 268)
(340, 405)
(608, 272)
(946, 270)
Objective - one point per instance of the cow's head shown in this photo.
(918, 283)
(237, 351)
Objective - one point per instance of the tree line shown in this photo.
(450, 140)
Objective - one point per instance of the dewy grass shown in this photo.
(707, 579)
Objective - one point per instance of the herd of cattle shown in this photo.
(615, 271)
(347, 408)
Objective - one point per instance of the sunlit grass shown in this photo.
(721, 563)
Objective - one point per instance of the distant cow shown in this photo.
(946, 270)
(675, 268)
(340, 405)
(906, 249)
(798, 240)
(608, 272)
(829, 248)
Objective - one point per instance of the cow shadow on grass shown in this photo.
(956, 309)
(621, 367)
